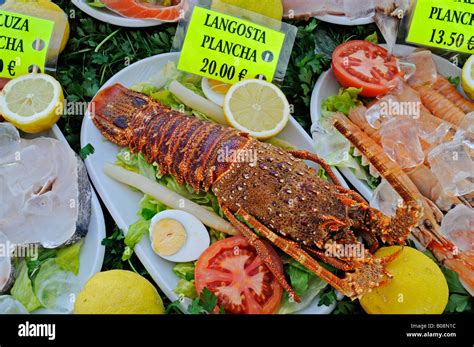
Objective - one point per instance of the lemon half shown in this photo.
(418, 286)
(118, 292)
(257, 107)
(33, 103)
(467, 78)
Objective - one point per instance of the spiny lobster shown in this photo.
(277, 194)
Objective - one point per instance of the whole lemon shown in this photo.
(47, 10)
(268, 8)
(418, 286)
(118, 292)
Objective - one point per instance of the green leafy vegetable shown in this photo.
(186, 288)
(95, 3)
(68, 257)
(327, 297)
(346, 306)
(144, 168)
(374, 38)
(323, 174)
(306, 285)
(343, 102)
(185, 270)
(23, 289)
(133, 237)
(459, 298)
(454, 80)
(149, 207)
(205, 303)
(34, 264)
(299, 278)
(86, 151)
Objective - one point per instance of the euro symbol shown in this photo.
(470, 44)
(242, 74)
(11, 68)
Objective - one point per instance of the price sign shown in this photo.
(24, 42)
(446, 24)
(229, 49)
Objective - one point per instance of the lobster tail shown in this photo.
(113, 109)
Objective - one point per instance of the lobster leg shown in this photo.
(305, 155)
(338, 264)
(369, 275)
(296, 252)
(262, 250)
(352, 194)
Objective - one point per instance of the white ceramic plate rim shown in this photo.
(105, 15)
(328, 77)
(89, 134)
(92, 252)
(343, 20)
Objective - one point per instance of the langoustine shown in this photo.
(427, 231)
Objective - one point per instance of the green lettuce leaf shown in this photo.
(68, 257)
(23, 289)
(306, 285)
(313, 288)
(56, 288)
(186, 288)
(185, 270)
(95, 3)
(127, 160)
(144, 168)
(343, 102)
(133, 237)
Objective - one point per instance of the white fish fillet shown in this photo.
(41, 200)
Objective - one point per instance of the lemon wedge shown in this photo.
(467, 78)
(33, 103)
(257, 107)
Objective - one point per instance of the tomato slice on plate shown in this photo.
(362, 64)
(232, 270)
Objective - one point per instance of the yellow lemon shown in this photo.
(118, 292)
(268, 8)
(257, 107)
(33, 103)
(418, 286)
(47, 10)
(467, 77)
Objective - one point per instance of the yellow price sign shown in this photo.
(445, 24)
(24, 42)
(229, 49)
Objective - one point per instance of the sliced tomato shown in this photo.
(362, 64)
(232, 270)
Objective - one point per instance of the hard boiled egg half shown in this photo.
(215, 90)
(178, 236)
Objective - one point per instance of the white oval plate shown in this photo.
(327, 85)
(122, 202)
(105, 15)
(343, 20)
(92, 251)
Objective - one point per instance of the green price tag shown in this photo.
(228, 48)
(445, 24)
(24, 42)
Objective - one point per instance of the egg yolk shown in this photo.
(169, 236)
